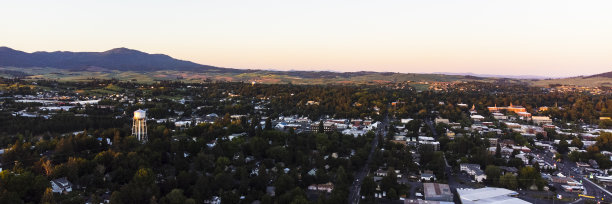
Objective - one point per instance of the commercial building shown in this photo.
(327, 127)
(489, 195)
(511, 108)
(437, 192)
(523, 114)
(541, 120)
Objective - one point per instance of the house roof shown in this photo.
(62, 182)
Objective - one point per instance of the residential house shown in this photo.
(326, 187)
(61, 185)
(428, 176)
(473, 170)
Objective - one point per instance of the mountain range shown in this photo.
(129, 60)
(115, 59)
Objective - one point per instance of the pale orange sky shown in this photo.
(519, 37)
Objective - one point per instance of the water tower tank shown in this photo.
(140, 114)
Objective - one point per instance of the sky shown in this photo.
(555, 38)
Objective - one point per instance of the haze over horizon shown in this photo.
(545, 38)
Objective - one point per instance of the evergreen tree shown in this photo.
(498, 151)
(321, 128)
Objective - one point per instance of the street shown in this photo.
(355, 188)
(569, 169)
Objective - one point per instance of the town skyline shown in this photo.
(306, 102)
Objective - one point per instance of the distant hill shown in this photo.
(606, 74)
(116, 59)
(597, 80)
(128, 64)
(128, 60)
(494, 75)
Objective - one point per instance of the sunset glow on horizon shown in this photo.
(523, 37)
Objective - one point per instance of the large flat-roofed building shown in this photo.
(604, 179)
(511, 108)
(327, 127)
(489, 195)
(524, 114)
(541, 120)
(437, 192)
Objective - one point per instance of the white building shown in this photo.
(473, 170)
(326, 187)
(405, 120)
(477, 117)
(488, 195)
(541, 120)
(61, 185)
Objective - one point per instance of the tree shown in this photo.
(202, 189)
(414, 126)
(498, 151)
(563, 147)
(392, 194)
(321, 128)
(174, 197)
(24, 185)
(268, 124)
(299, 200)
(516, 162)
(540, 136)
(295, 195)
(142, 188)
(10, 197)
(116, 197)
(574, 156)
(519, 139)
(47, 198)
(603, 161)
(342, 179)
(437, 164)
(508, 181)
(529, 176)
(390, 181)
(283, 184)
(368, 188)
(493, 173)
(323, 142)
(604, 141)
(222, 163)
(577, 143)
(224, 181)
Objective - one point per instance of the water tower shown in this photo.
(139, 128)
